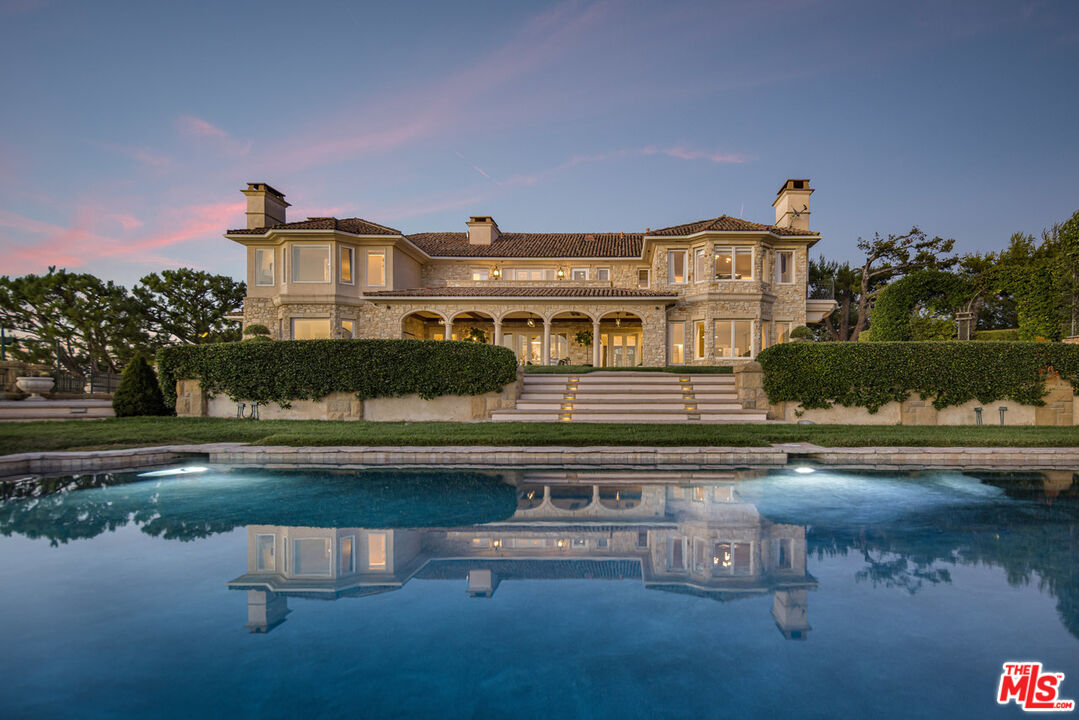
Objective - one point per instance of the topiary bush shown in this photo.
(139, 392)
(257, 330)
(869, 375)
(801, 333)
(280, 372)
(893, 310)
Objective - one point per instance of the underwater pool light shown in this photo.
(191, 470)
(804, 470)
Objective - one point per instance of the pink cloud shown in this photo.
(204, 131)
(680, 152)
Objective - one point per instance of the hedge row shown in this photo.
(819, 375)
(284, 371)
(583, 369)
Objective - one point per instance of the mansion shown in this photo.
(710, 292)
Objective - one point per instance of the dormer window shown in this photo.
(734, 263)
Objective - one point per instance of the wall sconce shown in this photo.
(497, 543)
(561, 543)
(618, 322)
(531, 322)
(496, 273)
(561, 273)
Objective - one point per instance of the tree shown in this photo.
(893, 256)
(189, 306)
(98, 324)
(839, 281)
(139, 392)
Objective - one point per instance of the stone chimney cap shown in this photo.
(257, 187)
(795, 184)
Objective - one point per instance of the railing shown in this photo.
(71, 383)
(104, 382)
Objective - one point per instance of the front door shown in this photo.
(620, 349)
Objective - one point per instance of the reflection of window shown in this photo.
(578, 274)
(734, 338)
(346, 265)
(264, 266)
(734, 263)
(481, 274)
(603, 274)
(731, 558)
(310, 328)
(376, 551)
(783, 554)
(642, 278)
(676, 266)
(677, 352)
(376, 268)
(349, 327)
(264, 552)
(785, 267)
(642, 538)
(311, 556)
(348, 557)
(723, 494)
(310, 263)
(698, 493)
(676, 549)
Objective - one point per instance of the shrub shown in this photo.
(1008, 335)
(894, 307)
(289, 370)
(139, 393)
(819, 375)
(801, 333)
(582, 369)
(257, 329)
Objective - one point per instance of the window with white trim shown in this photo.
(347, 551)
(603, 274)
(311, 556)
(578, 274)
(376, 551)
(676, 353)
(784, 267)
(642, 278)
(265, 550)
(479, 273)
(264, 266)
(310, 328)
(676, 266)
(376, 268)
(530, 274)
(310, 263)
(734, 263)
(700, 265)
(698, 339)
(734, 338)
(347, 255)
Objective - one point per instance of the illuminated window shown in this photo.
(311, 556)
(346, 265)
(642, 278)
(264, 266)
(677, 352)
(785, 267)
(699, 339)
(376, 551)
(530, 274)
(782, 332)
(349, 328)
(376, 268)
(734, 263)
(310, 263)
(676, 266)
(348, 555)
(734, 338)
(481, 274)
(310, 328)
(265, 549)
(578, 274)
(700, 265)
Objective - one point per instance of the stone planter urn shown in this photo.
(35, 386)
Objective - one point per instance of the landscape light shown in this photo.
(174, 471)
(804, 470)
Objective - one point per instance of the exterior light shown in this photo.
(561, 273)
(496, 273)
(497, 543)
(618, 322)
(561, 543)
(531, 322)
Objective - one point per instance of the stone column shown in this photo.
(595, 343)
(545, 351)
(498, 332)
(449, 330)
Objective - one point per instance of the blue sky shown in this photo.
(129, 128)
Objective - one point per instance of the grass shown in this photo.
(18, 437)
(582, 369)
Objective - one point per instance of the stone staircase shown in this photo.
(629, 397)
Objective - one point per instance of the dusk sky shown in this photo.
(128, 129)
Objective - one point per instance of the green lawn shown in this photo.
(133, 432)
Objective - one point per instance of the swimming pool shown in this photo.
(542, 593)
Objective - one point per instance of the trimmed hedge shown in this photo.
(1008, 335)
(283, 371)
(583, 369)
(869, 375)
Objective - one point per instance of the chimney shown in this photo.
(792, 204)
(265, 206)
(482, 230)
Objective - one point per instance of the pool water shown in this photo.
(535, 594)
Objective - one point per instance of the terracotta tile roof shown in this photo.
(520, 291)
(726, 223)
(356, 226)
(455, 244)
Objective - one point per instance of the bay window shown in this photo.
(676, 266)
(700, 265)
(310, 263)
(734, 263)
(733, 338)
(376, 268)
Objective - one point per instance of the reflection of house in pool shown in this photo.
(699, 538)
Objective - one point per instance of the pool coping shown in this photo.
(491, 457)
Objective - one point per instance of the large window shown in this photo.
(530, 273)
(559, 347)
(346, 265)
(734, 263)
(732, 558)
(785, 267)
(376, 268)
(677, 352)
(734, 338)
(481, 273)
(311, 263)
(698, 339)
(700, 265)
(676, 266)
(310, 328)
(264, 266)
(311, 556)
(376, 551)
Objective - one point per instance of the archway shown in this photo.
(474, 326)
(620, 497)
(423, 325)
(571, 338)
(571, 497)
(621, 336)
(522, 332)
